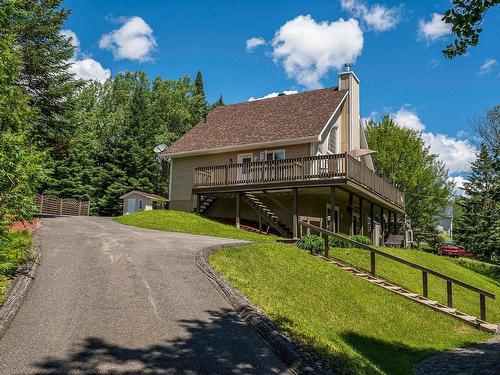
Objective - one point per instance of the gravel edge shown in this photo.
(297, 359)
(18, 289)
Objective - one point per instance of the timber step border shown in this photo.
(435, 305)
(294, 356)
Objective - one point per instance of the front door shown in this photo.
(244, 171)
(130, 205)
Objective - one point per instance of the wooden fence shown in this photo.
(50, 205)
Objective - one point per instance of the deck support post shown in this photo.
(237, 198)
(449, 294)
(295, 214)
(361, 217)
(482, 306)
(350, 209)
(371, 218)
(382, 224)
(395, 230)
(332, 210)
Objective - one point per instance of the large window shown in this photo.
(332, 141)
(272, 155)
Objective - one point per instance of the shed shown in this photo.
(136, 200)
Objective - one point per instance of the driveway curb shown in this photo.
(18, 289)
(298, 360)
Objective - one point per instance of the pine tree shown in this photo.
(45, 74)
(198, 85)
(478, 226)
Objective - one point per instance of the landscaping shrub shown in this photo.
(487, 269)
(14, 251)
(361, 239)
(339, 244)
(312, 243)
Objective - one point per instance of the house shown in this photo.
(140, 201)
(275, 161)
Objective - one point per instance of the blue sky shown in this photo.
(299, 45)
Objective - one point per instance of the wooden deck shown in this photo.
(296, 172)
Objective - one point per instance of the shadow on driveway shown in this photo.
(213, 347)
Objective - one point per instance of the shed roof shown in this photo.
(145, 195)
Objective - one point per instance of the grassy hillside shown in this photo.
(178, 221)
(358, 326)
(463, 299)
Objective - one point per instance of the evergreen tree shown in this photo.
(21, 165)
(403, 158)
(198, 85)
(45, 76)
(478, 225)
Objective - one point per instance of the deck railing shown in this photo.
(307, 168)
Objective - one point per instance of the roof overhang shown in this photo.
(249, 146)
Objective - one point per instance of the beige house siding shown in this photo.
(181, 197)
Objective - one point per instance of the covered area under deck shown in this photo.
(338, 207)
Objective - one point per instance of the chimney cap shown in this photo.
(347, 67)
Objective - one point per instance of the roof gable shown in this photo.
(282, 118)
(143, 194)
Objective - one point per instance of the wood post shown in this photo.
(449, 293)
(295, 213)
(198, 203)
(395, 230)
(327, 245)
(350, 208)
(237, 197)
(372, 263)
(361, 218)
(332, 210)
(482, 305)
(425, 285)
(371, 217)
(79, 208)
(382, 224)
(60, 206)
(41, 204)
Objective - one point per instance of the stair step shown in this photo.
(409, 294)
(396, 288)
(490, 327)
(429, 302)
(449, 310)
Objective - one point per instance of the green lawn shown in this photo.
(463, 299)
(178, 221)
(360, 327)
(14, 251)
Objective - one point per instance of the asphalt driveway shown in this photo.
(112, 299)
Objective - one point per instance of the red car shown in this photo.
(453, 250)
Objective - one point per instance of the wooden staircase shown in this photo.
(472, 320)
(205, 203)
(266, 214)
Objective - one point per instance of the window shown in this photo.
(332, 140)
(140, 204)
(272, 155)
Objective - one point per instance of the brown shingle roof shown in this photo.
(275, 119)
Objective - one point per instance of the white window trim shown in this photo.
(264, 152)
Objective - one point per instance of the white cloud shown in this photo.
(253, 43)
(488, 66)
(434, 29)
(273, 94)
(407, 117)
(457, 154)
(377, 17)
(459, 182)
(89, 69)
(71, 36)
(308, 49)
(133, 41)
(82, 66)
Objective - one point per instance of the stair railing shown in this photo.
(425, 271)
